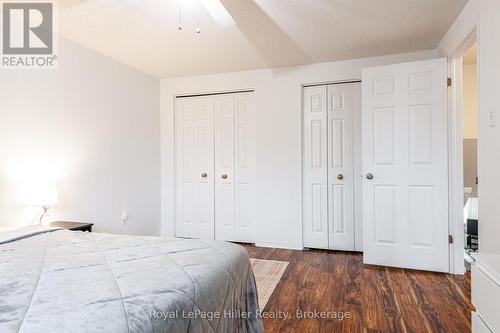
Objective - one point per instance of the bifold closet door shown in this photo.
(234, 167)
(215, 167)
(194, 151)
(328, 166)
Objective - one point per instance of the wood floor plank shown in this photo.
(412, 314)
(353, 295)
(372, 303)
(391, 303)
(334, 295)
(378, 299)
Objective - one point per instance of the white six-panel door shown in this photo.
(328, 166)
(405, 198)
(194, 213)
(230, 177)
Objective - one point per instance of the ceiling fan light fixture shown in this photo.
(219, 13)
(179, 26)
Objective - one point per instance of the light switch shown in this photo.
(125, 217)
(493, 117)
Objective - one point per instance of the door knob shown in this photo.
(340, 176)
(224, 176)
(369, 176)
(204, 175)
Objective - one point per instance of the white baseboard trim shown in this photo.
(287, 246)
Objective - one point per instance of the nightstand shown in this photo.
(73, 226)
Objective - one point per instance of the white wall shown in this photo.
(92, 128)
(486, 15)
(469, 115)
(278, 126)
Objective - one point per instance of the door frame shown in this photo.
(455, 151)
(174, 101)
(357, 238)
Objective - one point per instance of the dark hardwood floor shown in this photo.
(379, 299)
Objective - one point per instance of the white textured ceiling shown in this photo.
(268, 33)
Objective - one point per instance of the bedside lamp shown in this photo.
(45, 197)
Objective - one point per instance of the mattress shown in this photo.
(54, 280)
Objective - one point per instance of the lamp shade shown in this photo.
(44, 196)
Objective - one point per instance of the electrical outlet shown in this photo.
(125, 217)
(493, 117)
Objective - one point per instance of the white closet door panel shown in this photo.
(194, 146)
(245, 167)
(341, 166)
(205, 164)
(405, 205)
(225, 226)
(315, 186)
(185, 216)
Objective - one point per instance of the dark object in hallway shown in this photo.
(472, 235)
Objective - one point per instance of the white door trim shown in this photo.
(456, 159)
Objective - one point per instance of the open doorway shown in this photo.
(464, 136)
(470, 156)
(470, 135)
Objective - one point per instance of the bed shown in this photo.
(54, 280)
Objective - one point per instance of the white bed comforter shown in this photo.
(63, 281)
